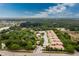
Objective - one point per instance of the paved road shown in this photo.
(76, 53)
(37, 50)
(9, 53)
(45, 39)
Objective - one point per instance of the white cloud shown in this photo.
(60, 10)
(56, 9)
(77, 15)
(69, 4)
(28, 13)
(42, 14)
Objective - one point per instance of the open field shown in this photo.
(74, 35)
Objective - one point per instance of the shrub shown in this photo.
(41, 41)
(52, 49)
(14, 47)
(70, 49)
(29, 45)
(77, 48)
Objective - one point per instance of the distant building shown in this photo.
(61, 29)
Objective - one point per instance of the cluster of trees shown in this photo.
(17, 38)
(66, 39)
(77, 46)
(36, 25)
(45, 24)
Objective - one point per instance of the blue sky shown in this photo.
(41, 10)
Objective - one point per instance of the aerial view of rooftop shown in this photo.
(39, 29)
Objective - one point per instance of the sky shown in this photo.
(39, 10)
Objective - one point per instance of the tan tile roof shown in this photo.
(54, 40)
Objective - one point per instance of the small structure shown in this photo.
(4, 28)
(3, 45)
(61, 29)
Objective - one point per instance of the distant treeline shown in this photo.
(44, 24)
(47, 23)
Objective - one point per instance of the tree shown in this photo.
(19, 38)
(29, 45)
(77, 48)
(70, 49)
(14, 47)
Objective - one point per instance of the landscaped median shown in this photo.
(40, 39)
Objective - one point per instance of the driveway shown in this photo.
(38, 50)
(45, 39)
